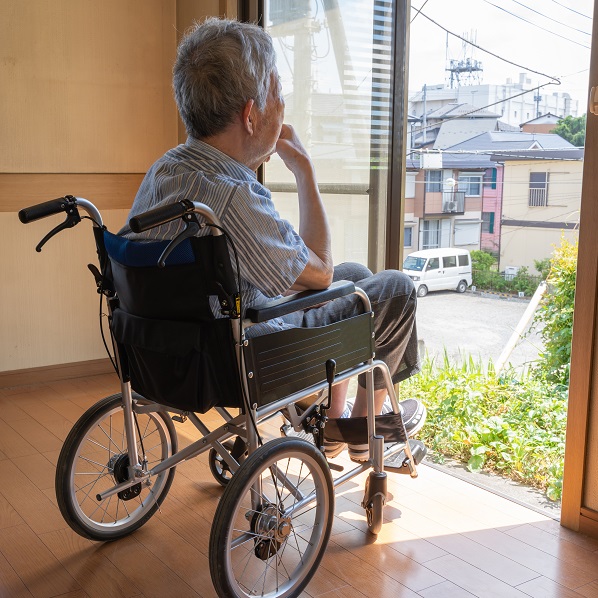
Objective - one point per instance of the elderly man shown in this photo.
(229, 97)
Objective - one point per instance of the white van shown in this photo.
(443, 269)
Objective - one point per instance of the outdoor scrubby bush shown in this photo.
(512, 425)
(554, 316)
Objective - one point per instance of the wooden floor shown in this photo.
(443, 538)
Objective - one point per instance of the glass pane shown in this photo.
(477, 109)
(334, 63)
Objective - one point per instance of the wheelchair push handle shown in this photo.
(185, 209)
(43, 210)
(68, 205)
(160, 215)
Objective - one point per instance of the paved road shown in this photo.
(469, 324)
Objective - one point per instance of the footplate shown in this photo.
(399, 463)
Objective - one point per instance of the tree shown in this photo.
(572, 129)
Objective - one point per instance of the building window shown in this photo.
(410, 184)
(538, 189)
(449, 261)
(471, 184)
(431, 234)
(408, 236)
(433, 181)
(488, 222)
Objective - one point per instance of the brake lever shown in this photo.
(72, 219)
(191, 230)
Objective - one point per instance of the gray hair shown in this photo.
(220, 65)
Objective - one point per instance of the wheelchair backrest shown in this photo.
(177, 352)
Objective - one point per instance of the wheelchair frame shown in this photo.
(243, 425)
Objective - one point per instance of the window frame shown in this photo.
(538, 190)
(432, 186)
(469, 176)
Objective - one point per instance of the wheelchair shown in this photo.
(176, 360)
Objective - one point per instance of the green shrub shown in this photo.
(511, 425)
(482, 260)
(543, 267)
(554, 316)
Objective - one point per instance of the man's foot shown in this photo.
(413, 413)
(332, 448)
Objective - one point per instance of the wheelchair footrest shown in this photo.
(399, 462)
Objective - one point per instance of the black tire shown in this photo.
(462, 286)
(374, 514)
(218, 466)
(422, 290)
(267, 549)
(94, 458)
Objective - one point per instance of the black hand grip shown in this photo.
(157, 216)
(41, 210)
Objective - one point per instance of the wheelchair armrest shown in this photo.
(299, 301)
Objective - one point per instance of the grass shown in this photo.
(510, 424)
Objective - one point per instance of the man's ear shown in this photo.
(248, 116)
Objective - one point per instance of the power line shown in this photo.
(572, 10)
(550, 18)
(418, 11)
(535, 24)
(520, 66)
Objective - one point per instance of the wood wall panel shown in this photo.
(106, 191)
(50, 307)
(90, 85)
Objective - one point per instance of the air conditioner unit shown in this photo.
(450, 206)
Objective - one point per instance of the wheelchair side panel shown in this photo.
(285, 362)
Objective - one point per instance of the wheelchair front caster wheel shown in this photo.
(219, 467)
(374, 500)
(273, 522)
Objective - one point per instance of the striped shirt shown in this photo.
(271, 253)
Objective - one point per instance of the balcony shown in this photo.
(538, 197)
(453, 202)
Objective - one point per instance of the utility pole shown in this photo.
(537, 99)
(424, 119)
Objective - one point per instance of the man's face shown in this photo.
(269, 122)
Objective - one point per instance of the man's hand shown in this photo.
(292, 152)
(313, 224)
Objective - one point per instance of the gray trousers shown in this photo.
(393, 299)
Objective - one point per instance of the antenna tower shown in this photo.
(466, 70)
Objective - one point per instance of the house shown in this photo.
(451, 124)
(541, 201)
(443, 200)
(544, 123)
(455, 196)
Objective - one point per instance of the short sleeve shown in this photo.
(271, 253)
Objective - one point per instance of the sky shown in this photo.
(494, 25)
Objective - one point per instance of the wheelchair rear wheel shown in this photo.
(94, 458)
(273, 522)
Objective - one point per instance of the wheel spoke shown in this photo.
(273, 521)
(94, 459)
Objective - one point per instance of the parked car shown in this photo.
(443, 269)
